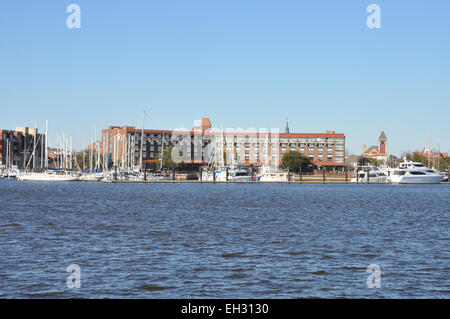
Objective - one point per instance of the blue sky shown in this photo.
(242, 63)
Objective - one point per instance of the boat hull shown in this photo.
(269, 179)
(435, 179)
(372, 180)
(47, 178)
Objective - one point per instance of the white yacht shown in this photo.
(123, 176)
(52, 176)
(92, 177)
(410, 172)
(13, 172)
(272, 174)
(235, 174)
(154, 177)
(369, 174)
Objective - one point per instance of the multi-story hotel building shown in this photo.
(203, 145)
(17, 148)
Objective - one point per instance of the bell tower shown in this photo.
(382, 143)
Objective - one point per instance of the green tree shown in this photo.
(416, 157)
(408, 156)
(444, 163)
(293, 160)
(167, 161)
(392, 161)
(375, 162)
(363, 161)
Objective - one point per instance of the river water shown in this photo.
(191, 240)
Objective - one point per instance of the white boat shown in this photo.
(12, 173)
(91, 177)
(369, 174)
(123, 176)
(272, 174)
(410, 172)
(48, 177)
(154, 177)
(445, 175)
(235, 174)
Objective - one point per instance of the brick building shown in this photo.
(17, 148)
(203, 144)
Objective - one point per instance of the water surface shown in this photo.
(223, 240)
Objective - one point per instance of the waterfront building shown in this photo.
(433, 157)
(377, 152)
(204, 144)
(18, 147)
(429, 153)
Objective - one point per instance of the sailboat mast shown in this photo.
(90, 156)
(98, 154)
(162, 153)
(83, 158)
(142, 142)
(42, 152)
(46, 145)
(63, 150)
(7, 154)
(71, 153)
(34, 147)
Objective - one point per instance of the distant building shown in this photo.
(426, 152)
(122, 146)
(17, 148)
(377, 152)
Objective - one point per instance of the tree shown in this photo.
(167, 161)
(444, 163)
(293, 160)
(393, 161)
(375, 162)
(363, 161)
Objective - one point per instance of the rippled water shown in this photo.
(223, 240)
